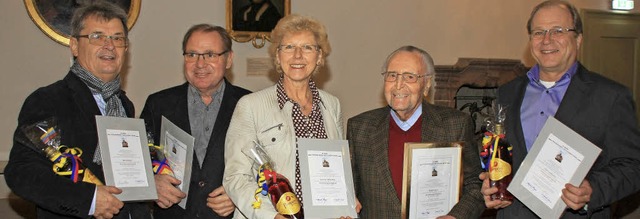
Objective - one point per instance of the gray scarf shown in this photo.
(109, 92)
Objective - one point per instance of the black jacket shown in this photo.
(600, 110)
(172, 104)
(29, 173)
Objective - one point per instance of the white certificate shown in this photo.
(551, 169)
(327, 180)
(126, 162)
(431, 179)
(326, 175)
(557, 157)
(176, 154)
(177, 146)
(433, 185)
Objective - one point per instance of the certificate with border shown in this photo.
(431, 182)
(126, 162)
(177, 147)
(558, 156)
(327, 180)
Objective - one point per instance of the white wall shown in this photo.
(361, 32)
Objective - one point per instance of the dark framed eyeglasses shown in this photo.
(207, 57)
(553, 32)
(99, 39)
(406, 77)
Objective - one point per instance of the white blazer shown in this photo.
(258, 117)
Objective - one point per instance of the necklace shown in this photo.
(306, 108)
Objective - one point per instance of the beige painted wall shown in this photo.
(362, 33)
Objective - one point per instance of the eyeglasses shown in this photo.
(560, 31)
(207, 57)
(406, 77)
(306, 49)
(99, 39)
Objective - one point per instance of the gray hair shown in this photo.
(207, 28)
(101, 9)
(427, 61)
(577, 21)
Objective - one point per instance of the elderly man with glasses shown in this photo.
(202, 106)
(377, 137)
(92, 87)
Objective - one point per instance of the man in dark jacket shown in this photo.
(597, 108)
(202, 107)
(92, 87)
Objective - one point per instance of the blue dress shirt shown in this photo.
(540, 102)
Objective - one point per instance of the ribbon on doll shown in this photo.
(495, 145)
(159, 166)
(262, 187)
(72, 154)
(489, 144)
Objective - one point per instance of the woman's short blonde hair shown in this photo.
(295, 23)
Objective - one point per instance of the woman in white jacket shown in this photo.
(276, 116)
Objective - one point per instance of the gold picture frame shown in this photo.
(53, 17)
(243, 29)
(441, 164)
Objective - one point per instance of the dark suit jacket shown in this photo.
(172, 104)
(368, 135)
(29, 173)
(601, 111)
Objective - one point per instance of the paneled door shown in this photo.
(611, 46)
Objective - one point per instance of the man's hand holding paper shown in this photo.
(168, 194)
(577, 197)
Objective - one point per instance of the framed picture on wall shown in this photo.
(53, 17)
(250, 20)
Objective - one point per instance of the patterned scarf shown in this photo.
(109, 92)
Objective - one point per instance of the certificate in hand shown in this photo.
(431, 179)
(327, 180)
(558, 156)
(177, 146)
(126, 162)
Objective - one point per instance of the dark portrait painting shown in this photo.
(58, 13)
(53, 17)
(256, 15)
